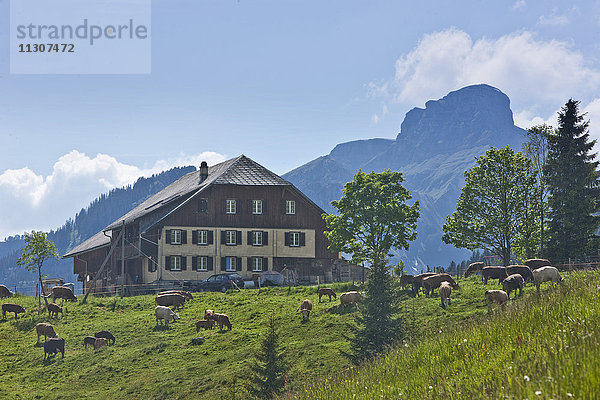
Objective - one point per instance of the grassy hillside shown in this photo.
(541, 346)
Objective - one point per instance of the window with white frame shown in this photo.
(202, 237)
(230, 207)
(175, 263)
(257, 264)
(230, 238)
(202, 263)
(257, 238)
(290, 207)
(230, 263)
(175, 236)
(257, 207)
(294, 238)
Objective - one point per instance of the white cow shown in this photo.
(351, 298)
(445, 291)
(165, 313)
(546, 274)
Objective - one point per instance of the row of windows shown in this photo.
(205, 263)
(256, 207)
(232, 238)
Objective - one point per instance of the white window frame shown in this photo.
(230, 235)
(175, 263)
(257, 238)
(230, 264)
(203, 237)
(257, 207)
(176, 236)
(230, 206)
(294, 239)
(290, 207)
(257, 264)
(202, 263)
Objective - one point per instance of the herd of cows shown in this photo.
(512, 278)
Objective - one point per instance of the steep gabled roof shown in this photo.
(97, 241)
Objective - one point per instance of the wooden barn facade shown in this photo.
(234, 216)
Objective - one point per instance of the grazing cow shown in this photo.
(418, 281)
(305, 308)
(44, 329)
(513, 282)
(53, 346)
(535, 263)
(473, 268)
(99, 342)
(432, 282)
(351, 298)
(406, 280)
(208, 314)
(62, 292)
(89, 341)
(493, 273)
(184, 293)
(204, 323)
(165, 314)
(4, 292)
(325, 291)
(106, 335)
(522, 270)
(221, 319)
(54, 309)
(445, 290)
(495, 296)
(171, 299)
(546, 274)
(13, 308)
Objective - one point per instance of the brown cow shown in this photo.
(495, 296)
(325, 291)
(445, 291)
(170, 299)
(473, 268)
(4, 292)
(62, 292)
(522, 270)
(513, 282)
(221, 319)
(204, 323)
(54, 309)
(493, 273)
(535, 263)
(44, 329)
(186, 294)
(305, 308)
(53, 346)
(418, 281)
(100, 342)
(13, 308)
(406, 280)
(430, 283)
(208, 314)
(89, 341)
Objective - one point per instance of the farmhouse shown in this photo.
(233, 216)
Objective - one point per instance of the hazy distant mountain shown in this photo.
(434, 148)
(89, 221)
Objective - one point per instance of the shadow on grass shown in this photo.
(159, 328)
(341, 310)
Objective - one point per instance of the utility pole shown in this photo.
(123, 260)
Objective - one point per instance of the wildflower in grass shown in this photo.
(526, 378)
(538, 392)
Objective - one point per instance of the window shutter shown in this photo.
(224, 207)
(223, 264)
(283, 206)
(249, 264)
(168, 236)
(249, 238)
(265, 238)
(210, 237)
(183, 236)
(238, 264)
(264, 206)
(194, 237)
(265, 263)
(194, 263)
(168, 263)
(249, 203)
(183, 263)
(209, 263)
(238, 238)
(287, 238)
(223, 237)
(302, 239)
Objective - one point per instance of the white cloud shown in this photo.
(553, 20)
(519, 4)
(538, 76)
(31, 201)
(593, 115)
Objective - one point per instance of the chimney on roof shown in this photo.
(203, 171)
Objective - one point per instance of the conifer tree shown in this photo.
(269, 368)
(573, 183)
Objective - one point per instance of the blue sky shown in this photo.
(280, 81)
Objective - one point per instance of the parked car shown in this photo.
(218, 283)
